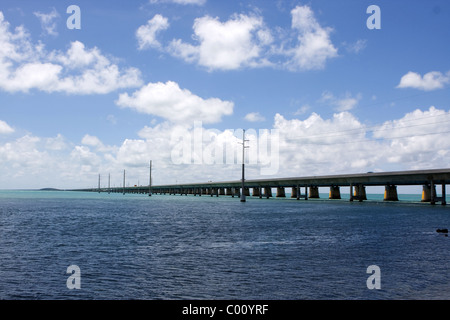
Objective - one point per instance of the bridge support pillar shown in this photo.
(294, 192)
(228, 192)
(434, 197)
(256, 192)
(359, 193)
(444, 202)
(390, 193)
(246, 191)
(280, 192)
(222, 191)
(426, 193)
(314, 192)
(268, 192)
(433, 192)
(335, 192)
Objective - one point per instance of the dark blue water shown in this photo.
(186, 247)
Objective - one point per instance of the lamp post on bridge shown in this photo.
(150, 181)
(243, 166)
(124, 181)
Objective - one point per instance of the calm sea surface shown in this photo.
(186, 247)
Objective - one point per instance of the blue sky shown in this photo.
(129, 85)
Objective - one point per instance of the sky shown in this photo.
(91, 88)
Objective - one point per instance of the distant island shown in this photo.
(49, 189)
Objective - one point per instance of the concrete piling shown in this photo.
(281, 192)
(314, 192)
(335, 192)
(390, 193)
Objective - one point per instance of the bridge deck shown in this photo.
(417, 177)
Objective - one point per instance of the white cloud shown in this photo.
(22, 153)
(47, 21)
(324, 146)
(254, 117)
(228, 45)
(244, 41)
(416, 138)
(56, 143)
(346, 102)
(430, 81)
(134, 152)
(314, 45)
(24, 67)
(5, 128)
(92, 141)
(83, 156)
(95, 142)
(146, 34)
(169, 101)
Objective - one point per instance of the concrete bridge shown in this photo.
(428, 179)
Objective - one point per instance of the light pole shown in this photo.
(124, 181)
(150, 181)
(243, 167)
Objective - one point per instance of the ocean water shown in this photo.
(185, 247)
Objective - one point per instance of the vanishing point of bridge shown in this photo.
(429, 179)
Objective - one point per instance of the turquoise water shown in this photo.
(186, 247)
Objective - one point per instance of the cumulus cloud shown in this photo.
(5, 128)
(169, 101)
(225, 45)
(56, 143)
(254, 117)
(85, 157)
(47, 21)
(420, 138)
(25, 66)
(244, 41)
(95, 142)
(314, 46)
(92, 141)
(343, 144)
(146, 34)
(22, 153)
(430, 81)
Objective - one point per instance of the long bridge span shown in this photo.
(357, 183)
